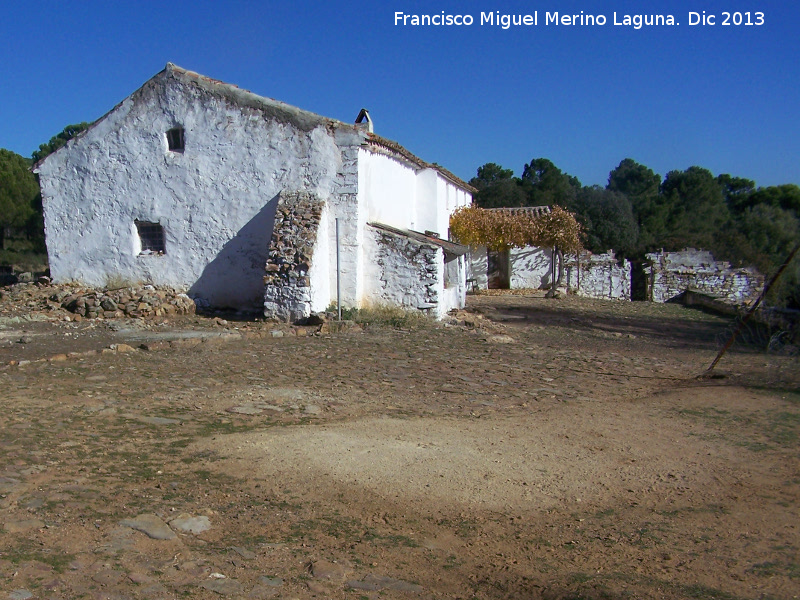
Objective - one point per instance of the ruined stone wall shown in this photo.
(598, 276)
(404, 272)
(287, 294)
(671, 273)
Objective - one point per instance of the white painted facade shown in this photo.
(216, 199)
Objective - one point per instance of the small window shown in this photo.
(151, 237)
(175, 139)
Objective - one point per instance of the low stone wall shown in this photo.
(408, 271)
(671, 273)
(128, 302)
(287, 294)
(598, 276)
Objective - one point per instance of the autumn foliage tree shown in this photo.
(504, 229)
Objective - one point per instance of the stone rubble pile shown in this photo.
(128, 302)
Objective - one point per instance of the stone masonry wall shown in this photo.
(599, 276)
(408, 271)
(671, 273)
(287, 295)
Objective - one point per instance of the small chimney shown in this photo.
(363, 120)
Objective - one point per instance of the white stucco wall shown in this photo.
(215, 200)
(599, 276)
(348, 207)
(530, 267)
(319, 275)
(394, 192)
(387, 188)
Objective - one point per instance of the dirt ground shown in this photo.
(530, 448)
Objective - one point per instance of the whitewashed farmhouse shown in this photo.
(234, 198)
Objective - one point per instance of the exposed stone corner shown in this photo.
(287, 293)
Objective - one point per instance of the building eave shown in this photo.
(451, 248)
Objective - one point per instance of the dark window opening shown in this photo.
(151, 236)
(175, 139)
(499, 269)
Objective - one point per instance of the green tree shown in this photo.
(641, 185)
(768, 233)
(634, 180)
(736, 190)
(490, 174)
(497, 187)
(546, 185)
(786, 197)
(608, 220)
(18, 192)
(58, 140)
(696, 209)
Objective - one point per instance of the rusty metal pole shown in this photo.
(338, 277)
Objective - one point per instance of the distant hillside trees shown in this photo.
(18, 192)
(58, 140)
(20, 199)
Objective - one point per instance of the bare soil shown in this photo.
(539, 448)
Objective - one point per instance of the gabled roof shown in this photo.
(282, 112)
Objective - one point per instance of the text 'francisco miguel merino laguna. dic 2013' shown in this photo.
(506, 21)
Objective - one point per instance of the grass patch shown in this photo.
(706, 593)
(773, 568)
(386, 316)
(714, 509)
(756, 432)
(579, 578)
(56, 560)
(226, 427)
(783, 430)
(390, 541)
(215, 478)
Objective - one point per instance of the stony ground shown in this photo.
(536, 449)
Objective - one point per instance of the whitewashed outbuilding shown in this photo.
(589, 275)
(232, 197)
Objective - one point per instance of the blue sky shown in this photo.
(726, 98)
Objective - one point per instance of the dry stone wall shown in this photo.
(408, 271)
(672, 273)
(599, 276)
(287, 295)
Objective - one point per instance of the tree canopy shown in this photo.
(500, 230)
(18, 192)
(58, 140)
